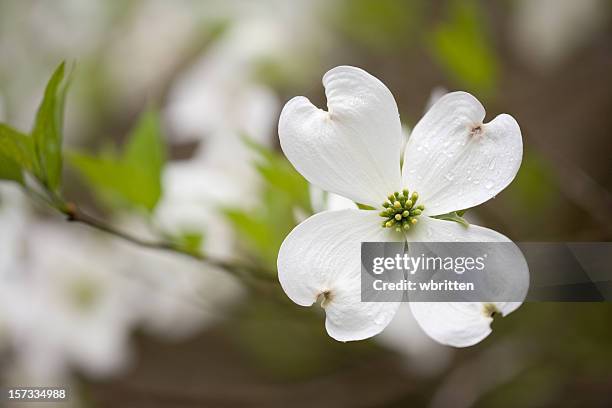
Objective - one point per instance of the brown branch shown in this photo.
(246, 271)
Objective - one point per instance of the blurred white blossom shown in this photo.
(322, 200)
(73, 312)
(176, 296)
(192, 201)
(14, 214)
(179, 296)
(146, 45)
(13, 218)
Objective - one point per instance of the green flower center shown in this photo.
(400, 210)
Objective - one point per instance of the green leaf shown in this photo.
(263, 229)
(461, 45)
(252, 227)
(454, 216)
(280, 175)
(145, 156)
(145, 146)
(284, 193)
(16, 154)
(48, 129)
(133, 177)
(10, 170)
(189, 241)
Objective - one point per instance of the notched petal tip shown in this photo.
(490, 310)
(324, 298)
(456, 160)
(348, 149)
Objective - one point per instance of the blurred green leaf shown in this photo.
(134, 176)
(290, 341)
(190, 241)
(48, 128)
(16, 154)
(284, 194)
(146, 151)
(462, 46)
(252, 226)
(382, 25)
(535, 187)
(10, 170)
(280, 175)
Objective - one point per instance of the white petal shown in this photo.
(458, 324)
(353, 149)
(462, 324)
(323, 254)
(453, 166)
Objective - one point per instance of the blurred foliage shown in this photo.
(564, 346)
(383, 25)
(16, 154)
(290, 343)
(463, 48)
(284, 196)
(131, 177)
(190, 241)
(535, 187)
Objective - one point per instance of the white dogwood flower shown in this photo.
(452, 161)
(72, 305)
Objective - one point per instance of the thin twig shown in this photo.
(248, 271)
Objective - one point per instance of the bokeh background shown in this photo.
(128, 326)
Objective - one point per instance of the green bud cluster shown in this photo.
(400, 210)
